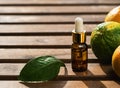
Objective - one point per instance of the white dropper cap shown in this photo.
(79, 25)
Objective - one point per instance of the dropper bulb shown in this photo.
(79, 25)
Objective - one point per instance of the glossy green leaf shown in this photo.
(43, 68)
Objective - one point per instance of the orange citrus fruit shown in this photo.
(114, 15)
(116, 61)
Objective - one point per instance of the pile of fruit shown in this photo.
(105, 40)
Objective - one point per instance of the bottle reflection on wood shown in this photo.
(79, 50)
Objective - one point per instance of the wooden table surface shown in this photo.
(32, 28)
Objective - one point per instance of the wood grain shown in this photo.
(60, 84)
(14, 69)
(38, 40)
(50, 19)
(31, 53)
(50, 84)
(11, 71)
(43, 28)
(45, 10)
(59, 2)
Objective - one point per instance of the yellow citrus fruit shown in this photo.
(114, 15)
(116, 61)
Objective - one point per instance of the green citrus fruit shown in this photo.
(116, 61)
(104, 40)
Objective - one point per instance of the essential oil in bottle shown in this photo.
(79, 50)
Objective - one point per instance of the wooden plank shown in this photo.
(111, 84)
(50, 84)
(37, 10)
(102, 84)
(61, 84)
(31, 53)
(38, 40)
(59, 2)
(43, 28)
(51, 19)
(11, 71)
(94, 69)
(102, 72)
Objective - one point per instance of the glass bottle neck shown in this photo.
(79, 37)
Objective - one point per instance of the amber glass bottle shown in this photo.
(79, 50)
